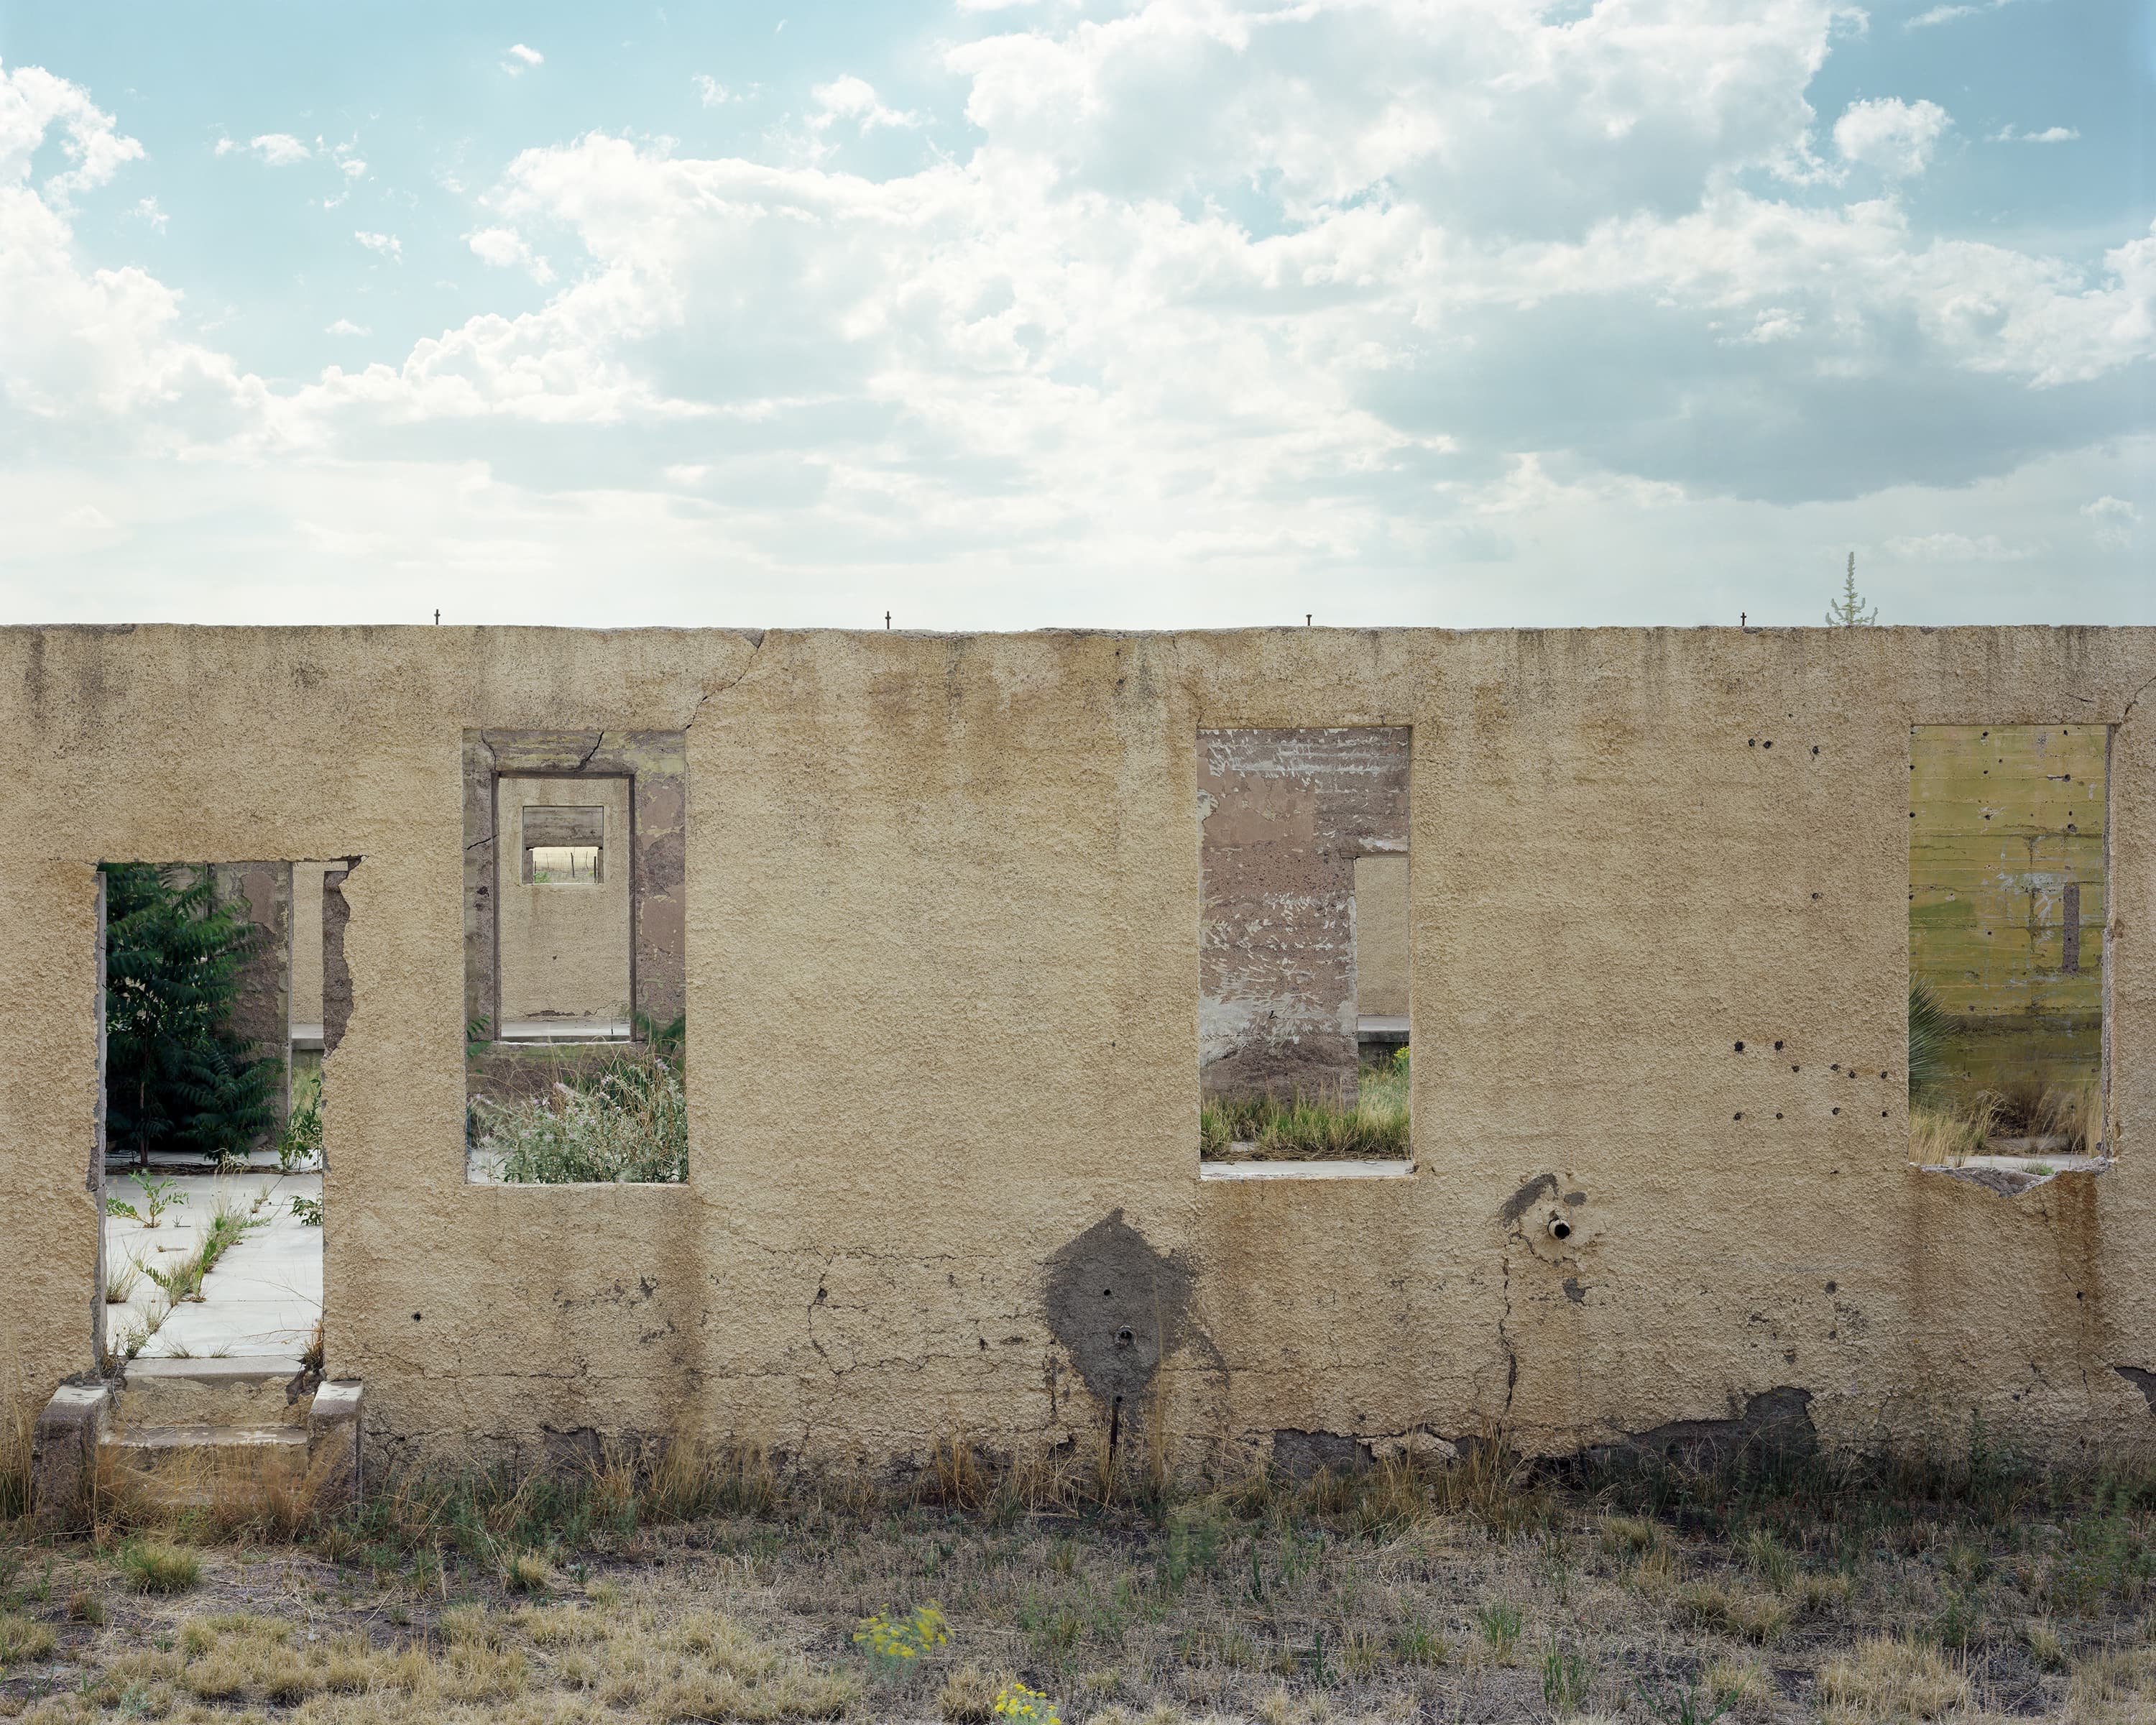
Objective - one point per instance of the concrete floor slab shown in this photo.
(264, 1298)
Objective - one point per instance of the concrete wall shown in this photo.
(973, 864)
(565, 947)
(307, 941)
(1381, 937)
(2006, 910)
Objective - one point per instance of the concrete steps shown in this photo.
(188, 1432)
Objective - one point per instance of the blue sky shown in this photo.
(1166, 313)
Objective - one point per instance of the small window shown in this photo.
(2007, 879)
(1304, 978)
(563, 847)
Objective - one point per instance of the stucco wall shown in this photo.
(972, 865)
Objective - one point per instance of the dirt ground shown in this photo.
(1474, 1590)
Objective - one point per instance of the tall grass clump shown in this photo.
(1312, 1128)
(1931, 1033)
(628, 1122)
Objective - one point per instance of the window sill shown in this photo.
(2010, 1176)
(1390, 1168)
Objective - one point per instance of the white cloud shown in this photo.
(383, 245)
(1951, 11)
(280, 149)
(34, 104)
(346, 326)
(2050, 135)
(1893, 136)
(505, 248)
(95, 348)
(2114, 520)
(519, 60)
(146, 210)
(710, 91)
(851, 98)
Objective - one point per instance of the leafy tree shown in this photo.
(177, 1076)
(1848, 611)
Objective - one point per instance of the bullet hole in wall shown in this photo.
(1740, 1047)
(1778, 1046)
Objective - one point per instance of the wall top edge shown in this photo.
(757, 636)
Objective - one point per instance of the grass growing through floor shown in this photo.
(1304, 1127)
(629, 1120)
(709, 1586)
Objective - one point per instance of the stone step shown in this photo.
(227, 1393)
(207, 1464)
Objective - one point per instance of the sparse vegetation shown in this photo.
(695, 1581)
(156, 1566)
(627, 1121)
(1305, 1127)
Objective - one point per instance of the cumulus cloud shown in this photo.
(2112, 521)
(851, 98)
(2050, 135)
(383, 245)
(710, 91)
(1887, 134)
(346, 326)
(521, 60)
(1280, 290)
(84, 345)
(505, 248)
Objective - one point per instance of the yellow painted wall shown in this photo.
(2006, 895)
(970, 863)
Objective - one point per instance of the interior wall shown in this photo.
(973, 864)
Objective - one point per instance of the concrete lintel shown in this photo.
(63, 1450)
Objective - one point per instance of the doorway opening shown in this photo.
(222, 987)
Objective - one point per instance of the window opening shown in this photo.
(2007, 877)
(574, 981)
(1304, 983)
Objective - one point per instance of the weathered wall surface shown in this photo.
(973, 863)
(1381, 937)
(2006, 915)
(307, 941)
(1284, 816)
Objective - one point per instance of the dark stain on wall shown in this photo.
(1119, 1306)
(1774, 1426)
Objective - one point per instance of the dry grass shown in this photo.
(695, 1582)
(1311, 1128)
